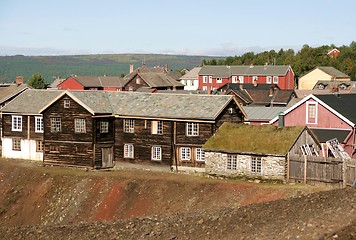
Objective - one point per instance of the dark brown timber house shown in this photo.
(97, 129)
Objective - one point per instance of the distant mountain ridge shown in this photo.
(51, 67)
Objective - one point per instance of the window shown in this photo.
(205, 88)
(138, 80)
(192, 129)
(231, 163)
(39, 146)
(66, 103)
(275, 79)
(269, 79)
(79, 125)
(156, 153)
(129, 125)
(184, 153)
(55, 124)
(210, 79)
(200, 155)
(17, 123)
(38, 124)
(104, 126)
(205, 79)
(241, 79)
(256, 165)
(312, 113)
(218, 80)
(157, 127)
(234, 79)
(128, 151)
(254, 78)
(16, 144)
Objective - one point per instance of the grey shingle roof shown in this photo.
(97, 101)
(31, 101)
(333, 72)
(100, 81)
(6, 92)
(263, 113)
(227, 71)
(172, 106)
(192, 74)
(159, 80)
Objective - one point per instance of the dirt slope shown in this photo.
(62, 203)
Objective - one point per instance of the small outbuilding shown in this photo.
(257, 151)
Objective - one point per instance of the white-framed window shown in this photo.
(16, 144)
(312, 113)
(241, 79)
(205, 88)
(66, 103)
(138, 80)
(205, 79)
(275, 79)
(219, 80)
(269, 79)
(17, 123)
(254, 78)
(210, 79)
(184, 153)
(157, 127)
(104, 126)
(192, 129)
(200, 155)
(38, 124)
(39, 146)
(156, 153)
(231, 162)
(129, 150)
(234, 79)
(55, 124)
(256, 164)
(79, 125)
(129, 125)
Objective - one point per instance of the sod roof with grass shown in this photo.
(243, 138)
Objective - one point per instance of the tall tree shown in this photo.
(36, 81)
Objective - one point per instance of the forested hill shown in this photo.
(51, 67)
(302, 62)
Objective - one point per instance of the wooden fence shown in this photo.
(309, 169)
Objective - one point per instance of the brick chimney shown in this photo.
(271, 91)
(166, 67)
(131, 68)
(19, 80)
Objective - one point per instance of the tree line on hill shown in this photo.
(302, 62)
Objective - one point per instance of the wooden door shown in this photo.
(107, 157)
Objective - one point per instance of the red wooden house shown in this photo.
(329, 116)
(214, 77)
(92, 83)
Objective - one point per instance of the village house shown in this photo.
(214, 77)
(309, 80)
(22, 124)
(106, 83)
(190, 80)
(334, 114)
(255, 151)
(97, 129)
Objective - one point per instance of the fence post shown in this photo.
(305, 169)
(344, 173)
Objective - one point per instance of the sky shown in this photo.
(194, 27)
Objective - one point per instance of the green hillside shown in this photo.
(95, 65)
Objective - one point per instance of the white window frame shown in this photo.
(157, 127)
(241, 79)
(199, 155)
(231, 162)
(185, 153)
(275, 79)
(210, 79)
(66, 103)
(104, 126)
(16, 123)
(156, 153)
(56, 124)
(192, 129)
(39, 124)
(256, 165)
(129, 150)
(219, 80)
(307, 114)
(268, 79)
(234, 79)
(129, 125)
(205, 88)
(205, 79)
(16, 144)
(39, 146)
(79, 125)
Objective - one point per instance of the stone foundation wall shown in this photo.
(272, 167)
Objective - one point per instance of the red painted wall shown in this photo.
(70, 84)
(112, 89)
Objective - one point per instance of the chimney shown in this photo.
(19, 80)
(166, 67)
(281, 120)
(271, 91)
(251, 65)
(131, 68)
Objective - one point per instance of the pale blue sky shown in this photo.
(195, 27)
